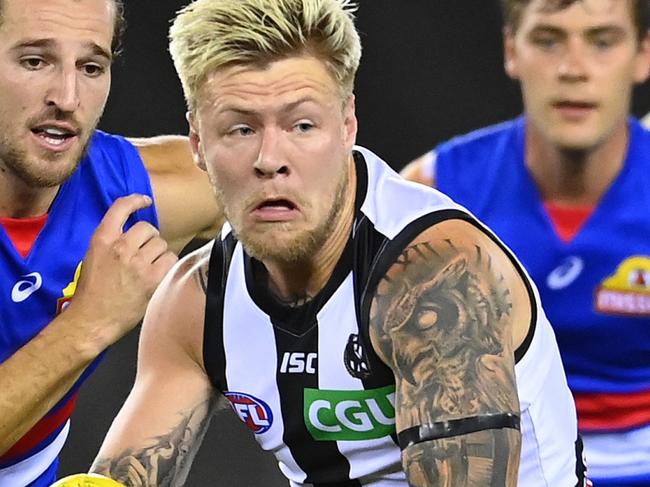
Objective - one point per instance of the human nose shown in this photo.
(64, 92)
(270, 159)
(572, 65)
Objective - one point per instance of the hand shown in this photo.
(120, 272)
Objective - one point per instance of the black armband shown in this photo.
(456, 427)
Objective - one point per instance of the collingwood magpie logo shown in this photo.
(354, 358)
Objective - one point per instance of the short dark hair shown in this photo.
(512, 12)
(119, 26)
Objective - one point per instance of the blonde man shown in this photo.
(70, 193)
(367, 330)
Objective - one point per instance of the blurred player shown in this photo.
(567, 187)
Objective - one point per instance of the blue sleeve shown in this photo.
(124, 173)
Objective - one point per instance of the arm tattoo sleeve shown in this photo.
(441, 321)
(166, 461)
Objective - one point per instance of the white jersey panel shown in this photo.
(337, 324)
(393, 202)
(251, 364)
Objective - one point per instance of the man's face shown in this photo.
(54, 81)
(277, 143)
(577, 67)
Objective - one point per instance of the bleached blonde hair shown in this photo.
(208, 35)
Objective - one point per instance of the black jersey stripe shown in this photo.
(321, 460)
(214, 356)
(581, 468)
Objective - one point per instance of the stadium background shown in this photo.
(431, 69)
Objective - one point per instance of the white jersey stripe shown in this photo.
(28, 470)
(621, 454)
(252, 362)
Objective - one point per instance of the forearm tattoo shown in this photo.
(440, 320)
(166, 461)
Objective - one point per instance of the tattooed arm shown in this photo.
(157, 433)
(446, 319)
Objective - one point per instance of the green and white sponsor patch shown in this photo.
(350, 415)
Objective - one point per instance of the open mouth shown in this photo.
(275, 210)
(277, 204)
(55, 136)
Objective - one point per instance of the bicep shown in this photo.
(185, 201)
(442, 321)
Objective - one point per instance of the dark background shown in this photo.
(431, 69)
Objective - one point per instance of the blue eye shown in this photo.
(304, 126)
(242, 130)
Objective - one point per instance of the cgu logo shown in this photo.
(350, 415)
(298, 362)
(255, 413)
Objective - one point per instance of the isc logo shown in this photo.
(254, 412)
(298, 362)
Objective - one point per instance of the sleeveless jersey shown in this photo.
(307, 381)
(35, 289)
(595, 288)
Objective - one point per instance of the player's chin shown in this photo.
(283, 245)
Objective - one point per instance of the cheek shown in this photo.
(96, 95)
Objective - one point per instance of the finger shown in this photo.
(139, 234)
(152, 250)
(119, 213)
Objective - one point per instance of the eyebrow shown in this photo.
(285, 109)
(50, 44)
(607, 29)
(600, 29)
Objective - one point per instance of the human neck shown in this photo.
(18, 200)
(575, 177)
(298, 282)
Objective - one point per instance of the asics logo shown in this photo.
(565, 273)
(28, 285)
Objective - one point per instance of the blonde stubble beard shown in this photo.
(304, 245)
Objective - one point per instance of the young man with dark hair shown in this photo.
(567, 187)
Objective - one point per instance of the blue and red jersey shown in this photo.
(35, 288)
(595, 287)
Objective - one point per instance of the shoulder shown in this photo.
(177, 308)
(112, 147)
(482, 139)
(164, 153)
(452, 270)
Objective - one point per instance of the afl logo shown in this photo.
(255, 413)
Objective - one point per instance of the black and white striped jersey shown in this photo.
(306, 380)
